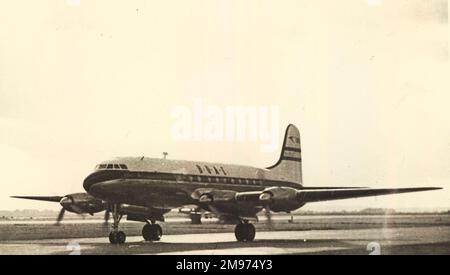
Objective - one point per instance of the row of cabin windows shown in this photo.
(223, 180)
(112, 166)
(209, 170)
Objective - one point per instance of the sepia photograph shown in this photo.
(224, 127)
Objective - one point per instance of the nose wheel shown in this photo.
(152, 232)
(245, 232)
(118, 237)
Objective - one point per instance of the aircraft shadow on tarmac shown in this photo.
(345, 246)
(142, 247)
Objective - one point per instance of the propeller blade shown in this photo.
(268, 215)
(107, 214)
(60, 216)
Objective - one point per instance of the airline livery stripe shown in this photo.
(104, 175)
(292, 159)
(292, 149)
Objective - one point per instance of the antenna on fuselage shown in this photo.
(165, 154)
(142, 157)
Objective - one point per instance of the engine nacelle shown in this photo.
(280, 199)
(82, 203)
(142, 213)
(218, 196)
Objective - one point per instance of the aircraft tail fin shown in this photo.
(289, 165)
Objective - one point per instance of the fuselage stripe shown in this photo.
(292, 149)
(292, 159)
(105, 175)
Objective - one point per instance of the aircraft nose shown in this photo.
(92, 179)
(88, 182)
(99, 177)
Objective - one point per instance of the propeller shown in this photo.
(79, 203)
(106, 217)
(268, 215)
(60, 216)
(67, 202)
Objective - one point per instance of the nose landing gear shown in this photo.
(116, 236)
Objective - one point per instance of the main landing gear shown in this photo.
(152, 231)
(116, 236)
(245, 232)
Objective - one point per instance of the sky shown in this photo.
(366, 82)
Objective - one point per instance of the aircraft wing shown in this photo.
(248, 204)
(306, 196)
(40, 198)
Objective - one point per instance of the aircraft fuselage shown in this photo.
(169, 183)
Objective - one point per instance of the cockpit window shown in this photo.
(208, 169)
(111, 166)
(200, 169)
(215, 170)
(223, 170)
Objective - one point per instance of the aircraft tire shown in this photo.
(245, 232)
(117, 237)
(250, 232)
(152, 232)
(112, 237)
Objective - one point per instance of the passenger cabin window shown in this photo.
(123, 166)
(110, 166)
(116, 166)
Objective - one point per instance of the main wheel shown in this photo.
(152, 232)
(239, 232)
(112, 237)
(244, 232)
(121, 237)
(147, 232)
(118, 237)
(250, 232)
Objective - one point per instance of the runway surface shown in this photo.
(410, 240)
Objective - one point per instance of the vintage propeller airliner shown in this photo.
(144, 189)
